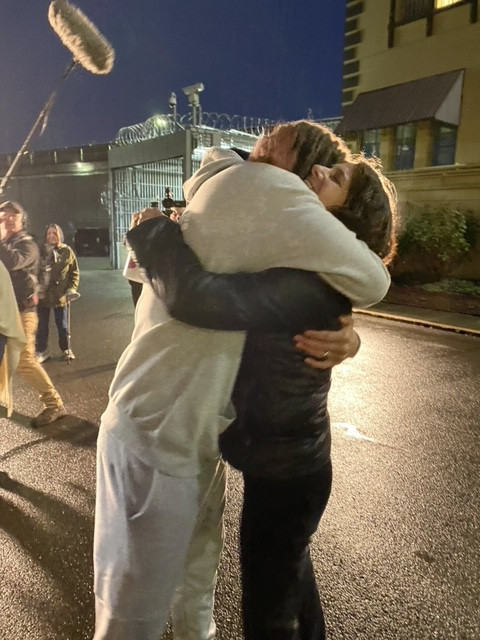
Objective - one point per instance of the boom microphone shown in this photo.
(89, 49)
(87, 45)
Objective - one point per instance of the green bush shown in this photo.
(454, 285)
(472, 234)
(433, 241)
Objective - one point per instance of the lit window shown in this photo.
(441, 4)
(405, 146)
(411, 10)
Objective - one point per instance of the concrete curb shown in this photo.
(465, 325)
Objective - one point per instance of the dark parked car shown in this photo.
(92, 241)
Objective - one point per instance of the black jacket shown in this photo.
(21, 256)
(282, 426)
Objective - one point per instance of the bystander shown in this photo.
(60, 289)
(20, 254)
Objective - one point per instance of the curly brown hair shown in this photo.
(317, 144)
(370, 209)
(310, 143)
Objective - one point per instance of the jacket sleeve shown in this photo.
(24, 253)
(73, 272)
(274, 300)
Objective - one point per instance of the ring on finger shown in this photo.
(324, 356)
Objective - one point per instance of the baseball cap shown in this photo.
(10, 205)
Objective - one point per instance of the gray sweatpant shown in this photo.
(155, 536)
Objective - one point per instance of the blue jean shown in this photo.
(280, 596)
(60, 315)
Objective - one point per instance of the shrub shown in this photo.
(432, 242)
(472, 234)
(453, 285)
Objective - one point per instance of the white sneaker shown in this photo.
(68, 354)
(42, 356)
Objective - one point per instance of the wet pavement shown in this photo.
(397, 554)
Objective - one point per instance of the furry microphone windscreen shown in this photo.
(87, 45)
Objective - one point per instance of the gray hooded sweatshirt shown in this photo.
(170, 396)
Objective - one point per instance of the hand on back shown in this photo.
(325, 349)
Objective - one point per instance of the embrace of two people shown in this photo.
(261, 271)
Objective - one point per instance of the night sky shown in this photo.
(273, 59)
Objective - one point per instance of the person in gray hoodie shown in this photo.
(157, 449)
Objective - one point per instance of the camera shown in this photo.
(193, 88)
(168, 202)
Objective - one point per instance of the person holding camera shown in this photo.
(20, 254)
(173, 209)
(60, 289)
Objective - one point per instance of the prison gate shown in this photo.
(161, 154)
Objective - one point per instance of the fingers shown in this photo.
(331, 360)
(315, 343)
(325, 349)
(328, 337)
(322, 354)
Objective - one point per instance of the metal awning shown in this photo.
(436, 97)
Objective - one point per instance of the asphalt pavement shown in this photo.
(47, 499)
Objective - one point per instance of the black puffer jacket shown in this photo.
(21, 256)
(282, 426)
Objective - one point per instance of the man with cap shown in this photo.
(21, 256)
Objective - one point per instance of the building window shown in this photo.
(405, 146)
(347, 96)
(405, 11)
(444, 145)
(352, 39)
(354, 9)
(351, 25)
(351, 81)
(351, 67)
(410, 10)
(371, 143)
(349, 54)
(442, 4)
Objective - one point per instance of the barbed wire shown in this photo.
(165, 124)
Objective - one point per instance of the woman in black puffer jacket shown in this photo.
(281, 443)
(281, 437)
